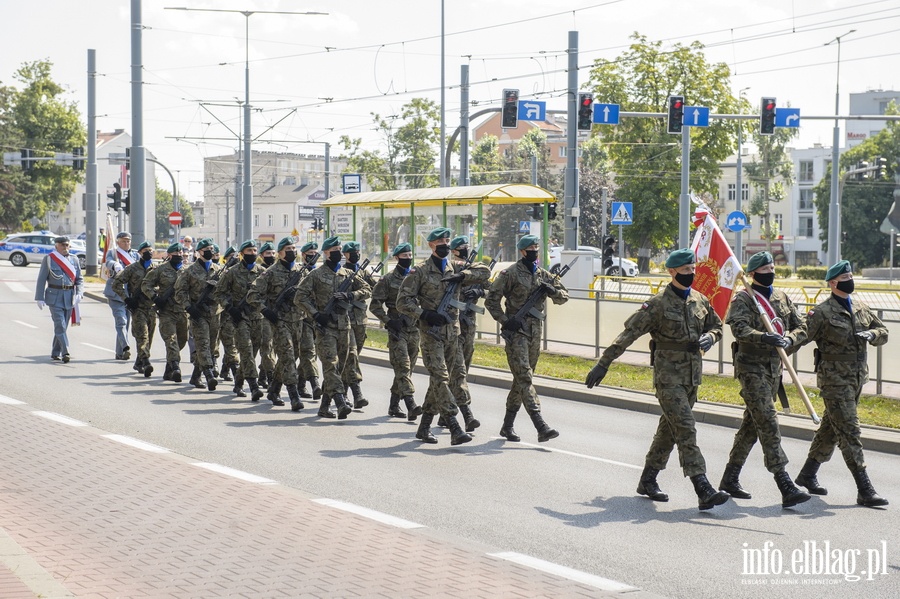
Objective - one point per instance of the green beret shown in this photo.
(680, 258)
(527, 241)
(247, 244)
(267, 246)
(230, 251)
(439, 233)
(215, 248)
(759, 259)
(350, 246)
(331, 242)
(458, 241)
(838, 269)
(312, 245)
(204, 243)
(144, 245)
(402, 248)
(174, 248)
(286, 241)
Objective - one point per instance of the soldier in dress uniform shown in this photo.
(352, 375)
(192, 295)
(419, 298)
(159, 286)
(757, 366)
(516, 283)
(841, 327)
(268, 257)
(60, 287)
(127, 286)
(403, 334)
(116, 263)
(307, 368)
(682, 324)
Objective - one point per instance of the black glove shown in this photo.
(549, 289)
(512, 325)
(160, 302)
(456, 277)
(132, 302)
(193, 311)
(322, 319)
(236, 313)
(868, 336)
(597, 374)
(471, 295)
(271, 315)
(775, 340)
(394, 325)
(433, 318)
(705, 342)
(343, 296)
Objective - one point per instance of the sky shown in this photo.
(314, 78)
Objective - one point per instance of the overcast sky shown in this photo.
(326, 74)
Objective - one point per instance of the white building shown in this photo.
(874, 101)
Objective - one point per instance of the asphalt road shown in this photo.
(570, 501)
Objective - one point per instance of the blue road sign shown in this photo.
(736, 221)
(532, 110)
(524, 227)
(696, 116)
(622, 213)
(606, 114)
(787, 117)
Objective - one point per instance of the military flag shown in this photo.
(717, 268)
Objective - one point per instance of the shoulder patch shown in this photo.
(644, 306)
(811, 312)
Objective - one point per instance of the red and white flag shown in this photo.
(107, 243)
(717, 268)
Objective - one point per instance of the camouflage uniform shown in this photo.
(467, 325)
(172, 320)
(127, 284)
(286, 332)
(352, 373)
(230, 293)
(403, 348)
(204, 328)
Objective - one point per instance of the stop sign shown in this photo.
(175, 218)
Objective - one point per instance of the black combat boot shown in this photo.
(167, 375)
(138, 365)
(296, 404)
(442, 422)
(394, 407)
(807, 478)
(146, 368)
(211, 381)
(316, 389)
(273, 393)
(263, 379)
(414, 410)
(239, 385)
(866, 495)
(709, 497)
(790, 495)
(255, 392)
(343, 408)
(424, 432)
(648, 485)
(215, 371)
(731, 483)
(176, 372)
(195, 377)
(508, 431)
(471, 422)
(457, 435)
(301, 387)
(226, 370)
(358, 400)
(325, 408)
(545, 433)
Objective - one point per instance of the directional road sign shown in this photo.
(696, 116)
(531, 110)
(736, 221)
(787, 117)
(622, 213)
(606, 114)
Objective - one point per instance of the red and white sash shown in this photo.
(63, 263)
(124, 257)
(776, 321)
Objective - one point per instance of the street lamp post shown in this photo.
(739, 184)
(834, 209)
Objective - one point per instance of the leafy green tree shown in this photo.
(595, 175)
(486, 162)
(164, 206)
(771, 174)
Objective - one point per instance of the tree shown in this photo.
(593, 178)
(647, 159)
(771, 173)
(165, 205)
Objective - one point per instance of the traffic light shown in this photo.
(585, 111)
(880, 165)
(767, 116)
(609, 250)
(116, 198)
(78, 159)
(126, 203)
(27, 163)
(535, 211)
(551, 210)
(510, 115)
(127, 159)
(676, 114)
(860, 166)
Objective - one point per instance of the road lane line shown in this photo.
(367, 513)
(137, 443)
(25, 324)
(578, 455)
(246, 476)
(10, 401)
(59, 418)
(599, 582)
(112, 351)
(17, 287)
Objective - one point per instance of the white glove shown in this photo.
(40, 304)
(77, 299)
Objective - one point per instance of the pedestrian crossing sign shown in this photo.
(622, 213)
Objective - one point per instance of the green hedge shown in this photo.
(784, 272)
(815, 273)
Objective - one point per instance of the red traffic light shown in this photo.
(586, 100)
(677, 104)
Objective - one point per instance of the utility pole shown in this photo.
(570, 233)
(137, 186)
(91, 202)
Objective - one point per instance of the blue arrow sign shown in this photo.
(736, 221)
(622, 213)
(695, 116)
(787, 117)
(606, 114)
(532, 110)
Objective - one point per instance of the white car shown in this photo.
(619, 267)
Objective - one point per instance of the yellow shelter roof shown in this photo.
(506, 193)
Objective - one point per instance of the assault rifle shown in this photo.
(344, 287)
(211, 284)
(473, 306)
(290, 288)
(449, 299)
(369, 275)
(536, 296)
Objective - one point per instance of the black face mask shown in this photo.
(531, 256)
(404, 262)
(268, 260)
(442, 251)
(764, 278)
(845, 286)
(684, 280)
(290, 256)
(463, 253)
(311, 259)
(207, 255)
(147, 256)
(352, 257)
(175, 261)
(334, 257)
(248, 259)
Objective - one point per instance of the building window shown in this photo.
(745, 191)
(732, 192)
(255, 220)
(806, 259)
(806, 171)
(805, 227)
(807, 197)
(284, 220)
(778, 221)
(271, 220)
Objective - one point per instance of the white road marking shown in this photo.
(367, 513)
(25, 324)
(112, 351)
(579, 455)
(250, 478)
(137, 443)
(59, 418)
(604, 584)
(17, 287)
(10, 401)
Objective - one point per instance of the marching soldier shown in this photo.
(59, 286)
(682, 323)
(266, 351)
(403, 335)
(127, 285)
(159, 286)
(318, 297)
(307, 369)
(757, 366)
(193, 294)
(516, 283)
(226, 328)
(419, 298)
(118, 260)
(352, 375)
(841, 328)
(466, 346)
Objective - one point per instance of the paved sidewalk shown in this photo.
(86, 515)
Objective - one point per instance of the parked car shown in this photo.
(23, 249)
(619, 267)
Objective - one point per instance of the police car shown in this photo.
(23, 249)
(619, 267)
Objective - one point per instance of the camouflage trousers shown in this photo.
(403, 350)
(839, 427)
(335, 348)
(226, 336)
(522, 356)
(306, 367)
(676, 427)
(143, 325)
(352, 373)
(247, 339)
(286, 344)
(204, 332)
(439, 357)
(459, 385)
(760, 421)
(266, 347)
(467, 340)
(173, 329)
